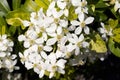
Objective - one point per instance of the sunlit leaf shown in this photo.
(98, 45)
(72, 14)
(14, 17)
(42, 3)
(116, 35)
(113, 23)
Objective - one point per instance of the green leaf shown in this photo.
(112, 23)
(14, 17)
(116, 35)
(2, 13)
(16, 4)
(72, 14)
(101, 4)
(43, 4)
(98, 44)
(14, 21)
(4, 6)
(113, 48)
(103, 17)
(2, 25)
(30, 6)
(116, 31)
(12, 30)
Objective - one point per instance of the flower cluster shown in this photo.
(7, 59)
(53, 41)
(51, 36)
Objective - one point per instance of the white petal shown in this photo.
(48, 20)
(86, 30)
(13, 56)
(44, 36)
(26, 23)
(2, 54)
(51, 75)
(28, 65)
(52, 58)
(75, 2)
(102, 30)
(72, 40)
(78, 30)
(117, 5)
(4, 36)
(60, 70)
(81, 17)
(41, 73)
(89, 20)
(85, 44)
(66, 12)
(44, 55)
(77, 51)
(57, 14)
(75, 23)
(61, 63)
(20, 54)
(78, 10)
(26, 44)
(61, 5)
(63, 23)
(71, 28)
(70, 47)
(52, 5)
(75, 37)
(51, 41)
(47, 48)
(36, 70)
(52, 28)
(39, 40)
(81, 37)
(59, 30)
(59, 54)
(102, 24)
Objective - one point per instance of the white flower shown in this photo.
(79, 3)
(82, 23)
(105, 32)
(61, 4)
(56, 36)
(50, 8)
(80, 6)
(77, 42)
(56, 65)
(117, 5)
(21, 37)
(23, 57)
(80, 10)
(53, 12)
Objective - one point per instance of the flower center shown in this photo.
(56, 20)
(82, 24)
(59, 37)
(42, 29)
